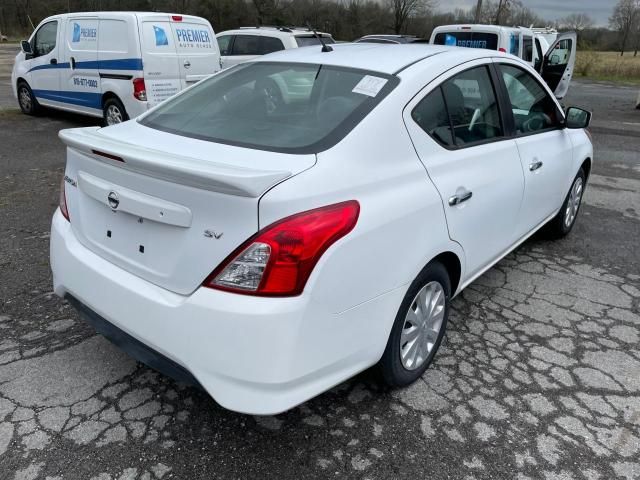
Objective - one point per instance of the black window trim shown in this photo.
(500, 104)
(330, 140)
(507, 101)
(230, 46)
(35, 38)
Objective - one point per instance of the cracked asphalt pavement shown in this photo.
(538, 377)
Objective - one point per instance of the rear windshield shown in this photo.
(468, 39)
(310, 40)
(283, 107)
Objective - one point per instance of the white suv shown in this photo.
(247, 43)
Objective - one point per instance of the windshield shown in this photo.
(310, 40)
(292, 108)
(467, 39)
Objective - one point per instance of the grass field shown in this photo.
(608, 66)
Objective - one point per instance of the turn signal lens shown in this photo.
(139, 89)
(63, 201)
(279, 259)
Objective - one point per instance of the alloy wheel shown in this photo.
(573, 204)
(114, 115)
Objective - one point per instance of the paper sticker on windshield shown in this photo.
(369, 85)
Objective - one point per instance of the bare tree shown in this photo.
(577, 22)
(402, 10)
(623, 20)
(478, 11)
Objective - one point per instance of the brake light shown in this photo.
(139, 89)
(503, 50)
(62, 203)
(176, 18)
(279, 259)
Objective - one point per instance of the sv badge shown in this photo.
(212, 234)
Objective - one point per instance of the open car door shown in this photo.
(558, 63)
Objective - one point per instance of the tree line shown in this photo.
(344, 19)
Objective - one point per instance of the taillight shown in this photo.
(63, 200)
(176, 18)
(503, 50)
(279, 259)
(139, 89)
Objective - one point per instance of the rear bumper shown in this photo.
(252, 355)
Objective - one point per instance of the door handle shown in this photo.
(187, 64)
(53, 61)
(458, 198)
(73, 63)
(535, 166)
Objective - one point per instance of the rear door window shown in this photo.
(224, 43)
(270, 44)
(468, 39)
(431, 114)
(246, 45)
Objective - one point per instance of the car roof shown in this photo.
(481, 28)
(377, 57)
(271, 31)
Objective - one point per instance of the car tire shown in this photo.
(113, 112)
(560, 225)
(400, 365)
(27, 100)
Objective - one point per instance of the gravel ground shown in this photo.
(538, 378)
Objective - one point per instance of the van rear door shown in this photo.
(159, 58)
(557, 67)
(197, 48)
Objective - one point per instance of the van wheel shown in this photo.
(27, 101)
(418, 328)
(113, 112)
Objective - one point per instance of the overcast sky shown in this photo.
(599, 10)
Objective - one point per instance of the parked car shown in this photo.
(397, 39)
(114, 65)
(248, 43)
(287, 223)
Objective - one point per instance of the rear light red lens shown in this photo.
(176, 18)
(503, 50)
(139, 89)
(63, 200)
(279, 259)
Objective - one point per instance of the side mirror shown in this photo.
(577, 118)
(26, 47)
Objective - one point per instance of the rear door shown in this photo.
(81, 80)
(197, 48)
(558, 63)
(160, 60)
(458, 134)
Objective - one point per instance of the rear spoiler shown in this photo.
(204, 174)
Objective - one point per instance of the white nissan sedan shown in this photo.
(289, 222)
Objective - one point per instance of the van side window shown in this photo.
(473, 108)
(527, 49)
(431, 115)
(246, 45)
(45, 39)
(270, 44)
(224, 43)
(533, 108)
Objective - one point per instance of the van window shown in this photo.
(224, 42)
(533, 108)
(246, 45)
(527, 49)
(282, 107)
(468, 39)
(514, 44)
(472, 106)
(270, 44)
(114, 36)
(431, 114)
(45, 39)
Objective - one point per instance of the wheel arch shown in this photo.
(453, 265)
(586, 167)
(108, 95)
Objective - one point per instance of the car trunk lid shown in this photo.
(138, 200)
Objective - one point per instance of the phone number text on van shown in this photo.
(85, 82)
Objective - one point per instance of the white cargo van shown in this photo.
(553, 61)
(114, 65)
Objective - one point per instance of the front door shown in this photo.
(45, 66)
(558, 63)
(458, 133)
(544, 145)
